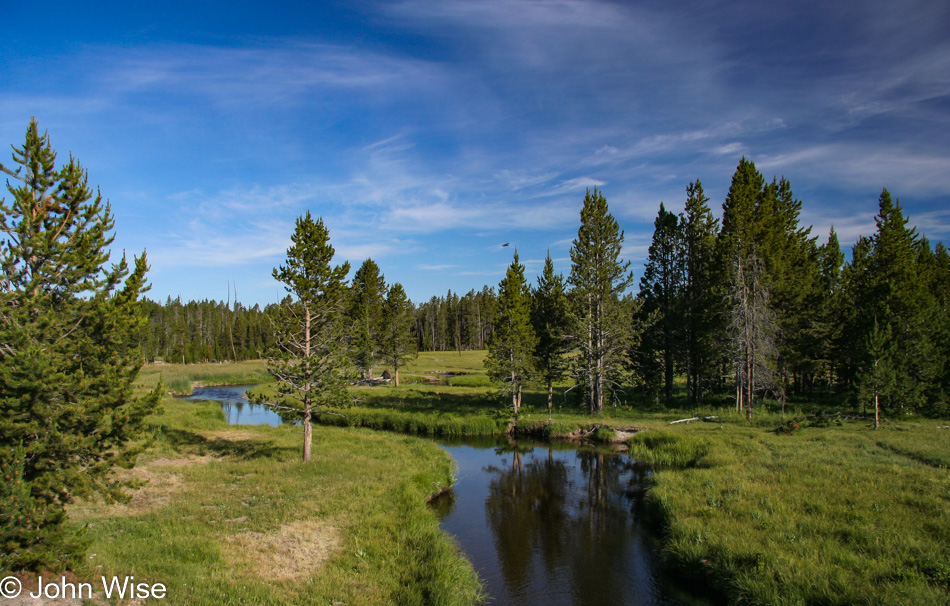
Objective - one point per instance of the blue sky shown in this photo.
(427, 134)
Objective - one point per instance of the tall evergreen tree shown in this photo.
(453, 314)
(700, 314)
(878, 379)
(828, 312)
(735, 247)
(789, 255)
(898, 295)
(856, 285)
(366, 314)
(70, 335)
(310, 358)
(599, 278)
(940, 286)
(551, 318)
(510, 359)
(661, 289)
(739, 232)
(398, 344)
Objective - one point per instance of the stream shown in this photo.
(547, 524)
(237, 410)
(552, 524)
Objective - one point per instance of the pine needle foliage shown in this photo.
(310, 361)
(599, 278)
(398, 344)
(70, 334)
(510, 359)
(551, 319)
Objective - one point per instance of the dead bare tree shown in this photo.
(754, 333)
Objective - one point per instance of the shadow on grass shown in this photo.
(413, 400)
(449, 401)
(237, 448)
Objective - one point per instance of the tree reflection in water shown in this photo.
(562, 526)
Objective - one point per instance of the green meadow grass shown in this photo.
(826, 515)
(230, 515)
(181, 378)
(827, 512)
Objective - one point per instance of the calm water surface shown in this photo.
(237, 409)
(545, 524)
(552, 524)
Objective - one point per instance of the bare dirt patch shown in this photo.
(291, 552)
(235, 435)
(158, 485)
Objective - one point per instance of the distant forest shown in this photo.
(216, 331)
(749, 302)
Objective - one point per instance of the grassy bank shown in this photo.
(830, 513)
(181, 378)
(229, 515)
(827, 515)
(448, 394)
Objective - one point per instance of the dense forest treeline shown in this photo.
(218, 331)
(206, 331)
(753, 299)
(749, 302)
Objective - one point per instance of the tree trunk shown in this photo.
(307, 410)
(738, 392)
(750, 390)
(307, 433)
(668, 370)
(514, 394)
(550, 399)
(877, 411)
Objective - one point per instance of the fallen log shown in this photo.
(693, 419)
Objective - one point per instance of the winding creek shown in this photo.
(237, 410)
(545, 524)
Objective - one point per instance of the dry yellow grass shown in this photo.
(291, 552)
(235, 435)
(157, 485)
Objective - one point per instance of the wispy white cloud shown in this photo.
(197, 247)
(489, 127)
(901, 170)
(274, 73)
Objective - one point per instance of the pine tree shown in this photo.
(856, 286)
(310, 357)
(789, 255)
(828, 313)
(599, 278)
(550, 316)
(398, 344)
(878, 379)
(736, 246)
(70, 334)
(510, 359)
(940, 286)
(366, 313)
(738, 235)
(700, 230)
(899, 297)
(661, 289)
